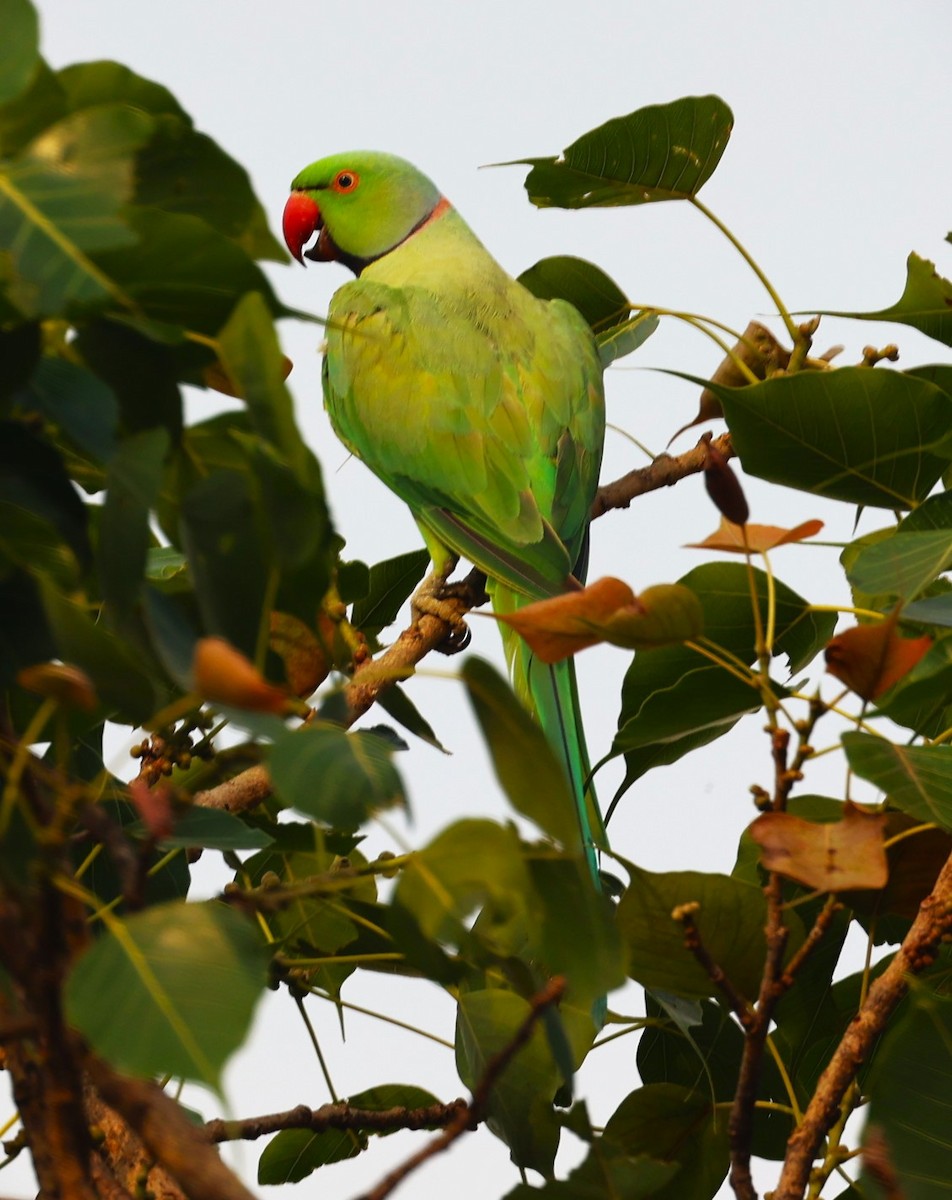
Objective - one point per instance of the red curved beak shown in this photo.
(302, 218)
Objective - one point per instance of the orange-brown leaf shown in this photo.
(760, 538)
(60, 681)
(607, 611)
(305, 656)
(561, 626)
(835, 856)
(154, 806)
(869, 659)
(222, 674)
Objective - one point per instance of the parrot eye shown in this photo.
(346, 181)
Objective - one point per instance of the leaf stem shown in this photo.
(748, 258)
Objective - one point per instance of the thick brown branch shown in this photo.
(336, 1116)
(932, 924)
(471, 1114)
(663, 471)
(182, 1148)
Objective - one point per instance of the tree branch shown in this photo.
(663, 471)
(182, 1148)
(336, 1116)
(933, 923)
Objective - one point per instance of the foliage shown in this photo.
(186, 580)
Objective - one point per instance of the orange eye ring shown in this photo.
(345, 181)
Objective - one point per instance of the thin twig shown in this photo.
(684, 914)
(336, 1116)
(474, 1112)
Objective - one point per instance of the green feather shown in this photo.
(478, 404)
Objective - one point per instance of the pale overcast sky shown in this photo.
(839, 165)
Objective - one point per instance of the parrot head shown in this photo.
(360, 204)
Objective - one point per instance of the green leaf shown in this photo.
(577, 934)
(170, 990)
(925, 303)
(54, 220)
(626, 338)
(222, 537)
(34, 480)
(663, 152)
(182, 170)
(472, 864)
(78, 403)
(903, 564)
(396, 703)
(730, 920)
(120, 678)
(859, 434)
(597, 297)
(337, 777)
(390, 584)
(32, 110)
(132, 485)
(917, 779)
(90, 84)
(528, 771)
(520, 1102)
(910, 1089)
(19, 49)
(705, 1059)
(252, 357)
(214, 829)
(674, 699)
(936, 610)
(293, 1154)
(907, 559)
(182, 271)
(674, 1124)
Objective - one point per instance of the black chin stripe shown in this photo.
(352, 262)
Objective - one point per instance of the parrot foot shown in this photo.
(447, 602)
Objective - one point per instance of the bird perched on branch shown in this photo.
(478, 404)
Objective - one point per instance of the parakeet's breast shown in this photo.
(461, 390)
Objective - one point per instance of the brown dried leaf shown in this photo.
(869, 659)
(557, 628)
(830, 856)
(724, 487)
(305, 655)
(222, 674)
(760, 538)
(760, 351)
(60, 681)
(607, 611)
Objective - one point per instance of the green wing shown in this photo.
(485, 414)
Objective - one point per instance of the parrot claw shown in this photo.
(436, 598)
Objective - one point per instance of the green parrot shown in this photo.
(479, 405)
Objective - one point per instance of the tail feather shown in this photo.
(550, 692)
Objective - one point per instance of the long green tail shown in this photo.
(551, 693)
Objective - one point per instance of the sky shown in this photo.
(838, 166)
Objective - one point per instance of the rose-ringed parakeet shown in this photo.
(478, 404)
